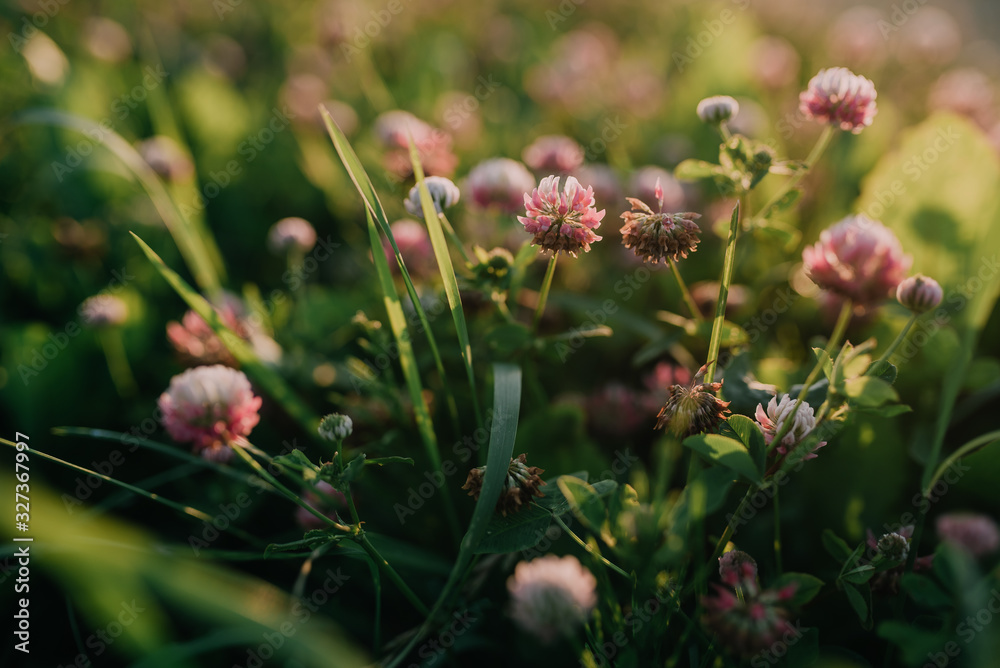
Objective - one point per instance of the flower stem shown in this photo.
(450, 231)
(814, 155)
(292, 496)
(777, 533)
(720, 307)
(686, 293)
(831, 346)
(543, 296)
(579, 541)
(118, 366)
(362, 540)
(895, 344)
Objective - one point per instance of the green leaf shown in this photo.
(585, 502)
(859, 575)
(807, 587)
(751, 436)
(692, 170)
(869, 391)
(859, 602)
(916, 644)
(737, 388)
(886, 370)
(787, 201)
(786, 236)
(836, 546)
(824, 358)
(296, 460)
(448, 278)
(263, 376)
(313, 539)
(197, 250)
(382, 461)
(725, 451)
(730, 333)
(515, 532)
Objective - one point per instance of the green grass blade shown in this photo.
(506, 408)
(367, 191)
(408, 363)
(447, 270)
(179, 507)
(196, 254)
(171, 451)
(265, 377)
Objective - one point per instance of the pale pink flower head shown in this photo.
(919, 293)
(603, 179)
(167, 158)
(778, 412)
(717, 109)
(970, 532)
(859, 259)
(415, 247)
(443, 192)
(736, 565)
(551, 596)
(553, 153)
(841, 98)
(562, 220)
(291, 233)
(500, 182)
(211, 406)
(324, 498)
(103, 310)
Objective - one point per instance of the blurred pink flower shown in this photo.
(210, 406)
(663, 376)
(291, 233)
(775, 62)
(551, 596)
(415, 247)
(562, 220)
(500, 182)
(616, 410)
(603, 179)
(103, 310)
(750, 623)
(393, 129)
(197, 343)
(553, 153)
(854, 38)
(737, 564)
(858, 258)
(320, 499)
(167, 158)
(651, 183)
(971, 532)
(841, 98)
(966, 91)
(773, 419)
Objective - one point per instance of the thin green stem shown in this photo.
(362, 540)
(728, 532)
(814, 155)
(831, 346)
(895, 344)
(118, 366)
(777, 533)
(292, 496)
(686, 293)
(543, 295)
(579, 541)
(450, 231)
(720, 307)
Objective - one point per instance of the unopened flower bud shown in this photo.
(336, 427)
(717, 109)
(894, 547)
(919, 293)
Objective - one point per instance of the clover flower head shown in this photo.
(551, 596)
(841, 98)
(553, 153)
(693, 409)
(291, 233)
(210, 406)
(970, 532)
(919, 293)
(444, 194)
(103, 310)
(561, 219)
(773, 419)
(654, 235)
(499, 182)
(858, 259)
